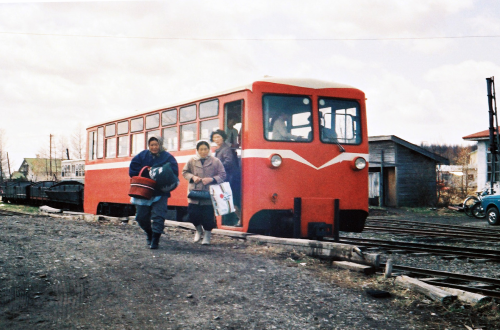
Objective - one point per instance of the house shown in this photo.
(482, 160)
(401, 173)
(41, 169)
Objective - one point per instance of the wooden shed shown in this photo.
(401, 173)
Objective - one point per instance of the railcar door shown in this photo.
(233, 124)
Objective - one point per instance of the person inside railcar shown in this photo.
(157, 209)
(201, 171)
(280, 129)
(229, 159)
(232, 133)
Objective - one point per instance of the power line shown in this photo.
(248, 39)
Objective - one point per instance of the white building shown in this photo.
(483, 160)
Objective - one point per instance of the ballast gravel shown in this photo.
(72, 274)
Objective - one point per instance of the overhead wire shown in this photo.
(248, 39)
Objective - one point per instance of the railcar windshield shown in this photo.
(287, 118)
(340, 121)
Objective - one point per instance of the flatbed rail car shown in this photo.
(289, 183)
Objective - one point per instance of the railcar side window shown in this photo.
(123, 127)
(207, 127)
(100, 142)
(169, 117)
(153, 121)
(110, 130)
(170, 139)
(137, 143)
(92, 145)
(188, 113)
(188, 136)
(155, 133)
(209, 109)
(340, 121)
(136, 124)
(111, 148)
(287, 118)
(123, 146)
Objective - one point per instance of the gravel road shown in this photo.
(72, 274)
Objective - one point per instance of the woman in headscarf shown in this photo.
(157, 210)
(229, 159)
(201, 171)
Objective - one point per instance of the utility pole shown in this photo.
(494, 136)
(50, 155)
(8, 164)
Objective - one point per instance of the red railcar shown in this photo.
(289, 182)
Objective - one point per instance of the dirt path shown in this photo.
(60, 274)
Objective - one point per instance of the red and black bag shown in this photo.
(141, 186)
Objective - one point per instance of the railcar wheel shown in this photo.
(469, 202)
(493, 216)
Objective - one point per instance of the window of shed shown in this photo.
(123, 127)
(153, 121)
(169, 117)
(209, 109)
(188, 113)
(110, 130)
(137, 124)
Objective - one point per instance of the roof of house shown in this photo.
(17, 175)
(43, 163)
(483, 135)
(410, 146)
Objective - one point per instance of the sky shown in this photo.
(422, 64)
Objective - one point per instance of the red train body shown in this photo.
(323, 161)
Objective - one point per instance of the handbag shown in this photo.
(141, 187)
(198, 194)
(222, 198)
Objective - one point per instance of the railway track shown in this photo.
(431, 229)
(10, 213)
(483, 285)
(445, 250)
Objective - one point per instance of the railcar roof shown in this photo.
(298, 82)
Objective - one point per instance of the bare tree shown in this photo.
(4, 172)
(62, 145)
(463, 159)
(78, 142)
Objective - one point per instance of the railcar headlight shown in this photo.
(359, 163)
(276, 160)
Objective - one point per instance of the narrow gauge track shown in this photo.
(418, 228)
(419, 247)
(489, 230)
(483, 285)
(10, 213)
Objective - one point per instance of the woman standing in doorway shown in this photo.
(229, 159)
(201, 171)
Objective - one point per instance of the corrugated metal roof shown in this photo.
(409, 145)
